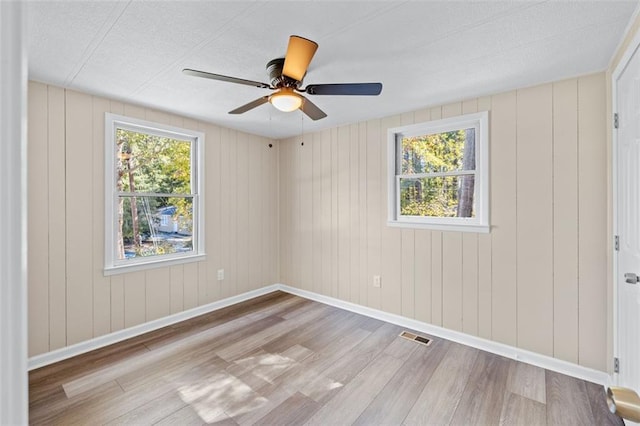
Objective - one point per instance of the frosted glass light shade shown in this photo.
(286, 100)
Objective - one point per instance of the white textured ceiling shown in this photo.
(424, 52)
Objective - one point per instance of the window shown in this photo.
(153, 195)
(438, 174)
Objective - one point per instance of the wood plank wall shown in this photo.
(70, 300)
(538, 281)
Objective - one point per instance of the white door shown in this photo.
(628, 224)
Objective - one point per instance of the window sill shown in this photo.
(481, 229)
(160, 263)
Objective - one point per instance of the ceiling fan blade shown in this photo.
(298, 57)
(251, 105)
(351, 89)
(219, 77)
(311, 109)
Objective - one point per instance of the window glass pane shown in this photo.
(439, 152)
(148, 163)
(450, 196)
(154, 226)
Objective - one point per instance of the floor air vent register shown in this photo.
(416, 338)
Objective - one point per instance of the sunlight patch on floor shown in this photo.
(219, 396)
(267, 366)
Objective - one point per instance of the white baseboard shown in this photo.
(507, 351)
(118, 336)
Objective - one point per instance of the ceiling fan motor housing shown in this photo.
(278, 80)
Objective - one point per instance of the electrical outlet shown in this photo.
(220, 274)
(377, 282)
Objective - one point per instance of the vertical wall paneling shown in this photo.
(535, 219)
(407, 272)
(452, 280)
(157, 293)
(177, 288)
(333, 230)
(374, 213)
(101, 284)
(265, 210)
(470, 283)
(296, 220)
(79, 175)
(326, 212)
(117, 303)
(213, 240)
(242, 193)
(363, 213)
(511, 285)
(537, 280)
(354, 200)
(316, 213)
(391, 238)
(38, 230)
(484, 256)
(422, 275)
(229, 215)
(286, 214)
(342, 176)
(71, 300)
(272, 228)
(254, 242)
(57, 246)
(135, 299)
(592, 220)
(306, 219)
(565, 220)
(503, 217)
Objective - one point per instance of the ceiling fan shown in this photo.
(286, 76)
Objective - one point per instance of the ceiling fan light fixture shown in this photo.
(286, 100)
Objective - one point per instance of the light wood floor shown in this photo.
(280, 359)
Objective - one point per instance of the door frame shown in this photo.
(631, 49)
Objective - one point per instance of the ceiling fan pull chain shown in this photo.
(302, 129)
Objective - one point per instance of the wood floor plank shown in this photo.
(190, 355)
(518, 410)
(567, 400)
(48, 411)
(442, 393)
(186, 416)
(147, 359)
(395, 400)
(345, 368)
(151, 412)
(305, 333)
(311, 377)
(294, 411)
(528, 381)
(348, 404)
(295, 361)
(599, 408)
(483, 396)
(234, 350)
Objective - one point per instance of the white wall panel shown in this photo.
(70, 299)
(514, 285)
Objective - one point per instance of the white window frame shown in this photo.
(113, 265)
(480, 223)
